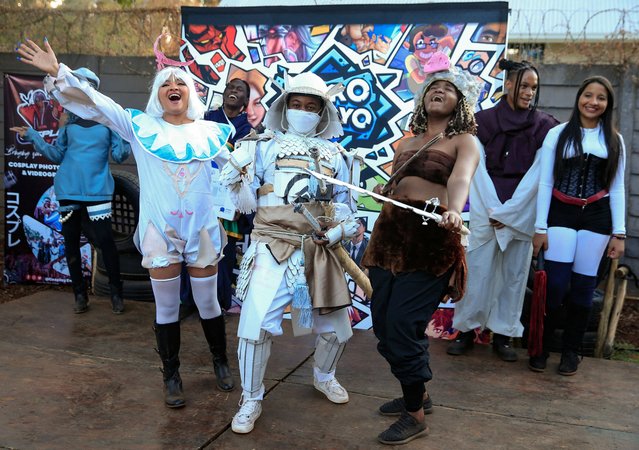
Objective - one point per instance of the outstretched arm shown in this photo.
(53, 152)
(73, 94)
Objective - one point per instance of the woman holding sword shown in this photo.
(413, 266)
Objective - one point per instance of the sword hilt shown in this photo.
(301, 209)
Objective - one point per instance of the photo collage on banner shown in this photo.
(34, 245)
(377, 53)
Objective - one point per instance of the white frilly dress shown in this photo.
(177, 220)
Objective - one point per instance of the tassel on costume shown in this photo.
(302, 297)
(245, 201)
(538, 310)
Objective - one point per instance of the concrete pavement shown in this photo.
(92, 381)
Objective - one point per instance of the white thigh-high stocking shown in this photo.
(167, 300)
(205, 296)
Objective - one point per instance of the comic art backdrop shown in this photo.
(377, 52)
(34, 246)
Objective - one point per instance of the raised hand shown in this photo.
(45, 60)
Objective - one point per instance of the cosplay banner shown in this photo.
(34, 246)
(377, 52)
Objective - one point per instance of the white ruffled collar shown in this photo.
(199, 140)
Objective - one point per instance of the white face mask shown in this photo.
(302, 122)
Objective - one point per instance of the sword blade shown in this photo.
(434, 216)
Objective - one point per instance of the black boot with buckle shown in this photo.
(168, 340)
(215, 333)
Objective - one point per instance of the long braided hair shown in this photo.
(462, 121)
(515, 71)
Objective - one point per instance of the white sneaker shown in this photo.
(245, 419)
(332, 390)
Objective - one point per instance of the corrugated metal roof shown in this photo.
(538, 21)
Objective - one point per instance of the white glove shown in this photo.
(344, 230)
(241, 160)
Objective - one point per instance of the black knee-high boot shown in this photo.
(215, 333)
(577, 317)
(168, 339)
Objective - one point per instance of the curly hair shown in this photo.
(463, 120)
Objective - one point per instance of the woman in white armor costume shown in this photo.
(173, 150)
(286, 263)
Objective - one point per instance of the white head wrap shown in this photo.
(307, 83)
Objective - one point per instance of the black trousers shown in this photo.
(401, 307)
(99, 234)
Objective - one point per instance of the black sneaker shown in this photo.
(81, 303)
(461, 344)
(569, 363)
(538, 363)
(404, 430)
(396, 407)
(502, 345)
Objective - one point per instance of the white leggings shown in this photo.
(583, 248)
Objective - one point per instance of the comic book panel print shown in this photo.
(380, 63)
